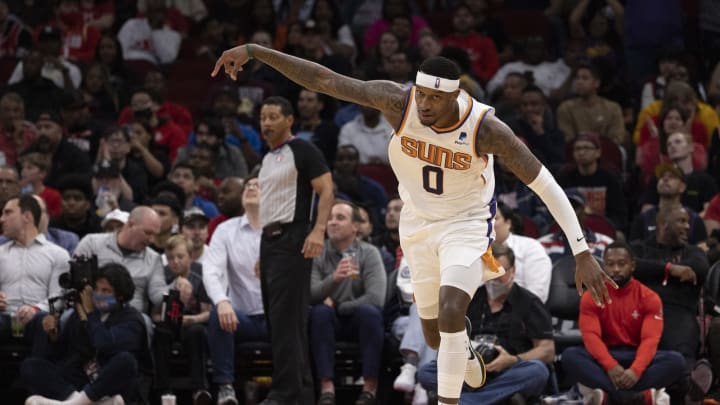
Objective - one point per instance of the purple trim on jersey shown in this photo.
(493, 211)
(477, 134)
(407, 104)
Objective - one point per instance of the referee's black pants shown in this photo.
(285, 283)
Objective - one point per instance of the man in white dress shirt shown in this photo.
(231, 282)
(533, 268)
(30, 266)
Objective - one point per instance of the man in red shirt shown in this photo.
(620, 360)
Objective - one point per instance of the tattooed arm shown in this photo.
(496, 138)
(386, 96)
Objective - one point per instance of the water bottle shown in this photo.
(101, 201)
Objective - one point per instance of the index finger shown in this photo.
(218, 65)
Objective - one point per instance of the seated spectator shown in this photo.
(184, 175)
(38, 92)
(225, 103)
(509, 97)
(102, 98)
(195, 229)
(193, 336)
(547, 75)
(117, 146)
(130, 247)
(537, 127)
(80, 37)
(365, 229)
(481, 49)
(347, 290)
(65, 239)
(312, 127)
(652, 147)
(16, 134)
(389, 240)
(369, 133)
(170, 212)
(519, 328)
(9, 183)
(670, 189)
(66, 157)
(377, 60)
(678, 92)
(16, 41)
(654, 89)
(602, 190)
(232, 283)
(154, 158)
(149, 38)
(700, 186)
(35, 168)
(155, 82)
(676, 271)
(109, 54)
(229, 159)
(76, 213)
(390, 10)
(65, 75)
(590, 112)
(229, 202)
(620, 360)
(533, 268)
(557, 246)
(103, 334)
(360, 189)
(516, 194)
(146, 108)
(30, 267)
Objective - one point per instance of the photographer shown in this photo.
(99, 351)
(520, 326)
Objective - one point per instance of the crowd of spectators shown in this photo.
(109, 117)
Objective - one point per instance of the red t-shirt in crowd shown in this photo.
(52, 199)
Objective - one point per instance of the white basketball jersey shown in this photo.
(441, 174)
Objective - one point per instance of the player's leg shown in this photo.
(454, 350)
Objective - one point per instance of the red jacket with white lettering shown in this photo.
(634, 319)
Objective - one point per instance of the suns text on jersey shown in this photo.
(435, 155)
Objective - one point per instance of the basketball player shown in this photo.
(442, 153)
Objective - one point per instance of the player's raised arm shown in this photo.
(498, 139)
(386, 96)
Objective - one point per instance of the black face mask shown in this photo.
(143, 115)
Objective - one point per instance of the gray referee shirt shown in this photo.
(285, 182)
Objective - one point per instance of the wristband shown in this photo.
(667, 273)
(249, 51)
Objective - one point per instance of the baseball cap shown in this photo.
(194, 213)
(663, 168)
(115, 215)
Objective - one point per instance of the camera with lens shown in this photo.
(485, 346)
(81, 274)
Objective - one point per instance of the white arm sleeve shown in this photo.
(557, 202)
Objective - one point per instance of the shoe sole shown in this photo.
(483, 370)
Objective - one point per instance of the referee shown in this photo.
(292, 172)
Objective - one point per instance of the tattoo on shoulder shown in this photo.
(497, 138)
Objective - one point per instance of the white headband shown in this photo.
(437, 83)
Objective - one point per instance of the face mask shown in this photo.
(143, 115)
(104, 303)
(497, 289)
